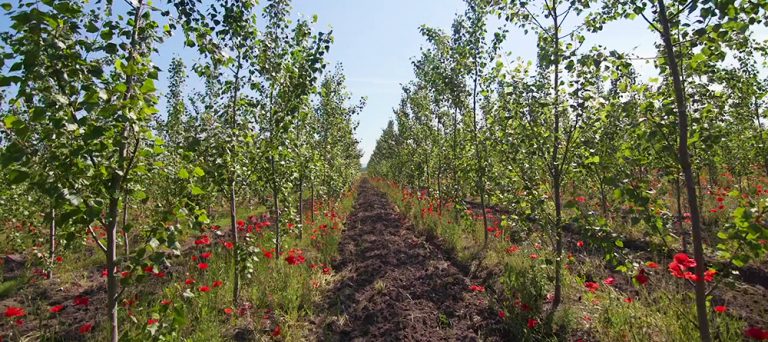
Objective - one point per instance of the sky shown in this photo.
(376, 41)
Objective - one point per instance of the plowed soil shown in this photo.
(396, 286)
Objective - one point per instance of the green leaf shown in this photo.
(198, 172)
(6, 6)
(183, 174)
(9, 120)
(196, 190)
(148, 86)
(619, 243)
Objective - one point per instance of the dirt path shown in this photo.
(394, 285)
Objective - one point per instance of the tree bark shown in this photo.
(685, 164)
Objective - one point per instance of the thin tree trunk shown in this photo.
(312, 199)
(679, 198)
(556, 176)
(126, 244)
(478, 155)
(52, 241)
(685, 165)
(232, 189)
(301, 206)
(276, 205)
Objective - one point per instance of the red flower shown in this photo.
(268, 254)
(59, 259)
(125, 274)
(13, 311)
(591, 286)
(276, 331)
(86, 328)
(532, 323)
(609, 281)
(159, 275)
(202, 266)
(720, 199)
(240, 223)
(580, 243)
(189, 281)
(477, 288)
(80, 301)
(217, 283)
(676, 269)
(685, 260)
(652, 264)
(640, 277)
(502, 314)
(152, 321)
(56, 309)
(166, 302)
(512, 249)
(756, 333)
(628, 300)
(534, 256)
(104, 273)
(203, 240)
(228, 311)
(228, 245)
(205, 255)
(204, 288)
(581, 199)
(19, 322)
(720, 308)
(326, 270)
(709, 275)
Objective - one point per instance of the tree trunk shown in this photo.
(312, 199)
(52, 242)
(126, 245)
(685, 165)
(679, 198)
(276, 205)
(555, 167)
(478, 155)
(301, 206)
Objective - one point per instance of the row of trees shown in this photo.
(83, 139)
(517, 134)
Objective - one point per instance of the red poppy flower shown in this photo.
(652, 264)
(721, 308)
(228, 311)
(86, 328)
(326, 270)
(152, 321)
(240, 223)
(202, 266)
(159, 275)
(640, 277)
(13, 311)
(502, 314)
(628, 300)
(581, 199)
(720, 200)
(591, 286)
(217, 283)
(204, 288)
(228, 245)
(80, 301)
(580, 243)
(59, 259)
(268, 254)
(534, 256)
(203, 240)
(756, 333)
(532, 323)
(609, 281)
(709, 275)
(512, 249)
(189, 281)
(685, 260)
(276, 331)
(56, 309)
(166, 302)
(676, 269)
(477, 288)
(205, 255)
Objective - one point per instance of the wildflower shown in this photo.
(477, 288)
(326, 270)
(205, 255)
(652, 264)
(203, 266)
(609, 281)
(217, 283)
(204, 288)
(640, 277)
(189, 281)
(228, 311)
(59, 259)
(580, 243)
(685, 260)
(86, 328)
(276, 331)
(720, 308)
(532, 323)
(534, 256)
(756, 333)
(80, 301)
(166, 302)
(56, 309)
(709, 275)
(228, 245)
(512, 249)
(502, 314)
(13, 311)
(203, 240)
(628, 300)
(591, 286)
(152, 321)
(581, 199)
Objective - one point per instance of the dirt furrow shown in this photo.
(395, 286)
